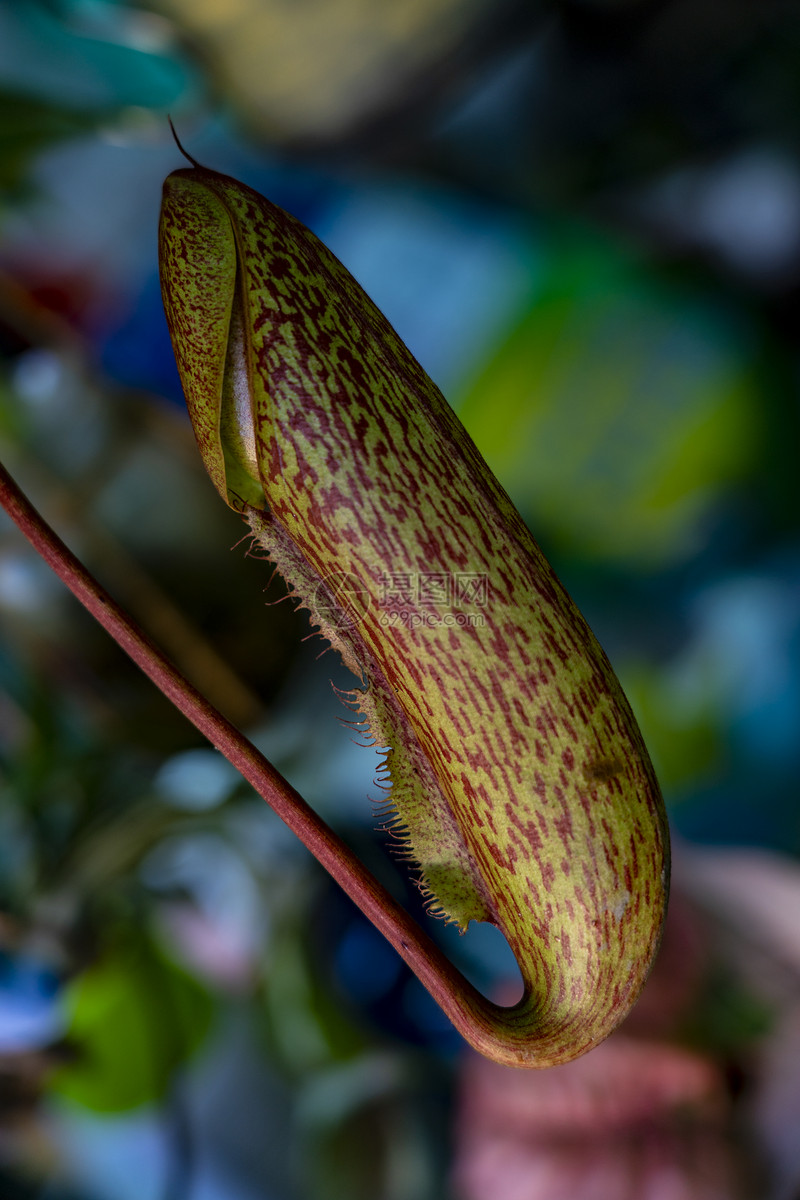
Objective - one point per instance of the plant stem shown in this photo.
(490, 1029)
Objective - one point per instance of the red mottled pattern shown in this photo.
(519, 772)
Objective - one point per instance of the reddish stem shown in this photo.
(487, 1027)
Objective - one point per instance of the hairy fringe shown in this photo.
(285, 561)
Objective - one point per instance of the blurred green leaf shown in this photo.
(28, 124)
(684, 736)
(134, 1018)
(305, 1023)
(727, 1017)
(370, 1128)
(618, 410)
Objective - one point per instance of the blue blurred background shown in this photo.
(583, 217)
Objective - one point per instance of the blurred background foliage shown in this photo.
(583, 216)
